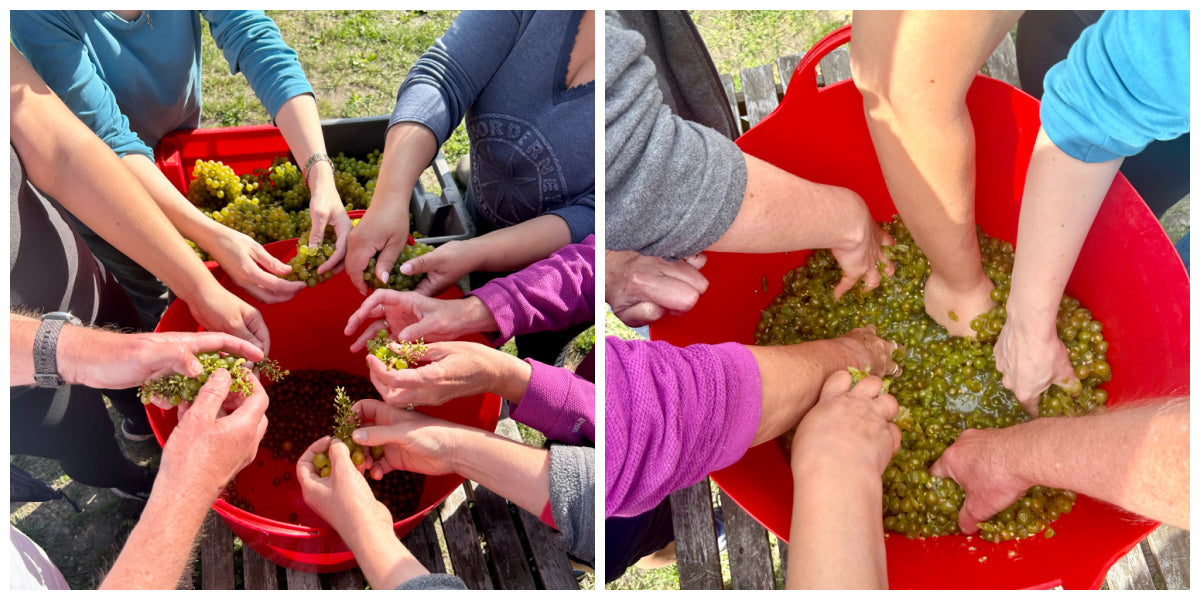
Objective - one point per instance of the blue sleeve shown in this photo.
(1124, 84)
(445, 81)
(253, 45)
(580, 216)
(51, 42)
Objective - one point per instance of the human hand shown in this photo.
(343, 498)
(410, 316)
(974, 462)
(210, 446)
(128, 360)
(1030, 361)
(953, 306)
(451, 370)
(849, 428)
(325, 208)
(870, 351)
(219, 310)
(383, 230)
(641, 289)
(443, 267)
(861, 254)
(252, 267)
(411, 441)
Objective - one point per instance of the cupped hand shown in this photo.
(443, 267)
(641, 289)
(128, 360)
(411, 316)
(860, 256)
(870, 351)
(955, 306)
(849, 428)
(973, 462)
(253, 268)
(448, 370)
(210, 446)
(411, 441)
(325, 208)
(220, 310)
(1031, 361)
(383, 230)
(343, 498)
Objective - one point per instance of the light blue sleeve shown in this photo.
(253, 45)
(50, 41)
(445, 81)
(1124, 84)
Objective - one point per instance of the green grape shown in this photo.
(946, 384)
(309, 258)
(213, 185)
(179, 388)
(397, 280)
(408, 354)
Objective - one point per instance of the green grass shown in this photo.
(739, 39)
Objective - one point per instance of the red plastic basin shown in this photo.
(1128, 275)
(306, 333)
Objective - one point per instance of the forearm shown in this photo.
(1136, 458)
(782, 212)
(384, 560)
(511, 469)
(836, 536)
(157, 551)
(1061, 199)
(520, 245)
(792, 377)
(21, 332)
(300, 124)
(408, 150)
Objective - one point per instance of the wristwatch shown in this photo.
(45, 348)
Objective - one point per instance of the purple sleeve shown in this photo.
(549, 295)
(559, 404)
(672, 416)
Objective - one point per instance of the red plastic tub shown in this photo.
(1128, 275)
(306, 333)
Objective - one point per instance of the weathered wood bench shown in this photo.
(1161, 561)
(488, 542)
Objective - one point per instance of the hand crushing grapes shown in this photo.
(413, 316)
(410, 440)
(451, 370)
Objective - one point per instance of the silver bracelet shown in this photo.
(315, 158)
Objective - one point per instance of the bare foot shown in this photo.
(954, 308)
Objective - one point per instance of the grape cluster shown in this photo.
(309, 258)
(271, 204)
(947, 384)
(300, 413)
(396, 280)
(179, 388)
(409, 352)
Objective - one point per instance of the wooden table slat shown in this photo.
(731, 96)
(462, 542)
(258, 573)
(216, 554)
(350, 579)
(1171, 549)
(749, 549)
(835, 66)
(758, 87)
(787, 67)
(504, 545)
(552, 563)
(1130, 572)
(303, 580)
(422, 541)
(696, 538)
(782, 546)
(1002, 64)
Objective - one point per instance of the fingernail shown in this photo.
(220, 375)
(359, 436)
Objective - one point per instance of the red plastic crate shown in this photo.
(242, 148)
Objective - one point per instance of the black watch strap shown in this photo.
(45, 353)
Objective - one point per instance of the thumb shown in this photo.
(373, 436)
(421, 264)
(186, 363)
(844, 286)
(339, 457)
(971, 515)
(209, 398)
(419, 330)
(269, 263)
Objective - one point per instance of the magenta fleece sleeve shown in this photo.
(558, 403)
(672, 416)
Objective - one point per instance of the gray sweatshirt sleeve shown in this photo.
(672, 186)
(433, 581)
(573, 497)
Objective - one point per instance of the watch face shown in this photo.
(62, 316)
